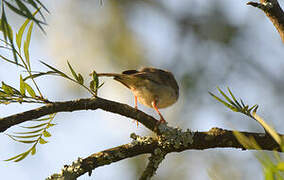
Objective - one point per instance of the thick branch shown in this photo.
(215, 138)
(76, 105)
(274, 12)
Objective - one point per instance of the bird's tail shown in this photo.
(109, 74)
(122, 78)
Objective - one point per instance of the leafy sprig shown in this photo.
(273, 167)
(21, 8)
(35, 135)
(37, 132)
(76, 77)
(235, 105)
(239, 106)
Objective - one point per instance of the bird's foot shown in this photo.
(162, 120)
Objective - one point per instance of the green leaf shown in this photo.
(10, 61)
(56, 70)
(19, 35)
(30, 132)
(25, 137)
(96, 79)
(36, 126)
(5, 27)
(22, 86)
(237, 103)
(27, 45)
(42, 5)
(30, 90)
(7, 32)
(40, 74)
(33, 150)
(226, 97)
(42, 141)
(24, 11)
(46, 134)
(92, 85)
(18, 157)
(73, 72)
(22, 141)
(80, 79)
(225, 103)
(7, 89)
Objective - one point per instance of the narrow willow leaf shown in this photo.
(26, 137)
(225, 103)
(19, 35)
(30, 132)
(46, 134)
(27, 45)
(40, 74)
(42, 141)
(23, 141)
(96, 79)
(33, 150)
(268, 128)
(14, 90)
(24, 155)
(32, 2)
(36, 126)
(56, 70)
(42, 5)
(16, 10)
(5, 27)
(80, 79)
(30, 90)
(92, 85)
(20, 155)
(73, 72)
(10, 61)
(7, 89)
(226, 97)
(7, 32)
(22, 86)
(235, 100)
(27, 141)
(28, 14)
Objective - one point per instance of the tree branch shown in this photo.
(154, 160)
(274, 12)
(76, 105)
(215, 138)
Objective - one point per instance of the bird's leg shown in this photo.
(162, 120)
(136, 107)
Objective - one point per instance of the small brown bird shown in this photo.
(155, 88)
